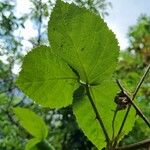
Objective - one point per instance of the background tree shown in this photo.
(11, 54)
(133, 63)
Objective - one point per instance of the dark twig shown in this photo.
(40, 22)
(115, 111)
(141, 144)
(139, 112)
(120, 86)
(98, 117)
(140, 82)
(11, 119)
(7, 90)
(129, 107)
(113, 123)
(20, 102)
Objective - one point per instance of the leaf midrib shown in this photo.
(75, 49)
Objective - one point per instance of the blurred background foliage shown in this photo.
(133, 63)
(64, 133)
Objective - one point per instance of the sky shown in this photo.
(123, 14)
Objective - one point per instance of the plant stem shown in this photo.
(129, 107)
(141, 144)
(40, 22)
(45, 145)
(140, 82)
(120, 86)
(139, 112)
(98, 117)
(113, 123)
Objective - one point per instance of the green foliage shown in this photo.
(103, 97)
(11, 48)
(130, 72)
(72, 39)
(132, 65)
(139, 36)
(31, 145)
(84, 53)
(97, 6)
(46, 78)
(140, 30)
(31, 122)
(36, 127)
(10, 136)
(83, 40)
(36, 144)
(11, 28)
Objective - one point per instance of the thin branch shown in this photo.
(129, 107)
(7, 90)
(113, 123)
(120, 86)
(98, 117)
(140, 82)
(11, 118)
(40, 22)
(20, 102)
(122, 125)
(141, 144)
(139, 112)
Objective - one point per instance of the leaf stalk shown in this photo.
(98, 117)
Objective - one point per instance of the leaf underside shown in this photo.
(103, 97)
(84, 41)
(47, 79)
(82, 49)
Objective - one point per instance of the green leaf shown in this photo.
(79, 39)
(32, 123)
(36, 144)
(46, 78)
(31, 145)
(84, 41)
(103, 96)
(3, 99)
(104, 99)
(45, 145)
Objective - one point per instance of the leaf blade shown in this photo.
(31, 144)
(44, 75)
(84, 41)
(103, 97)
(33, 123)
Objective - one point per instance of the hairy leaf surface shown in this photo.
(46, 78)
(84, 41)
